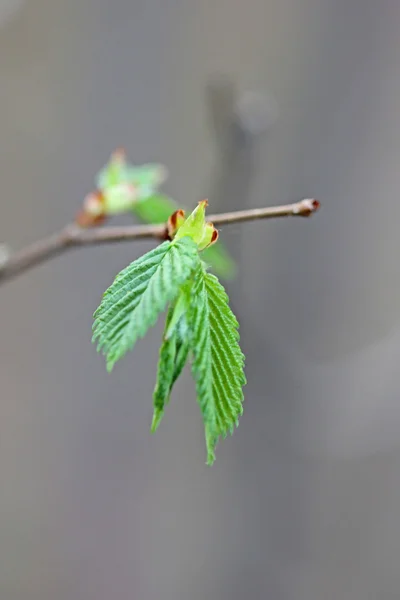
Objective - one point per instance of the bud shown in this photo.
(194, 224)
(85, 220)
(93, 212)
(175, 221)
(210, 236)
(93, 204)
(202, 233)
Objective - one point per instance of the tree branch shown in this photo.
(73, 236)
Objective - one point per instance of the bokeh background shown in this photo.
(303, 502)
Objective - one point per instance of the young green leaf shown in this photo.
(138, 295)
(165, 373)
(145, 178)
(194, 225)
(113, 173)
(218, 362)
(172, 359)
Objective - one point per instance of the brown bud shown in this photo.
(93, 212)
(210, 236)
(85, 220)
(175, 221)
(214, 237)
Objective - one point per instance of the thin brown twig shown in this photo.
(74, 236)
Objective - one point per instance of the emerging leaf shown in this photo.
(113, 173)
(146, 179)
(195, 224)
(119, 198)
(165, 371)
(156, 209)
(140, 292)
(218, 362)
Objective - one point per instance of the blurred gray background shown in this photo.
(303, 502)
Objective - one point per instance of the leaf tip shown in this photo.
(110, 364)
(210, 459)
(157, 418)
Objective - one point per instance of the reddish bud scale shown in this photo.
(85, 219)
(214, 236)
(92, 214)
(174, 222)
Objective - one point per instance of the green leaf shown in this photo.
(140, 292)
(218, 362)
(172, 359)
(156, 209)
(181, 350)
(147, 178)
(220, 260)
(165, 372)
(178, 310)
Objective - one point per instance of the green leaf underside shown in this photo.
(172, 359)
(138, 295)
(218, 362)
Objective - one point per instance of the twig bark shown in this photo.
(73, 236)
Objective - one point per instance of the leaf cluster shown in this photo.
(136, 188)
(200, 329)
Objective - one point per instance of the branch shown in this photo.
(74, 236)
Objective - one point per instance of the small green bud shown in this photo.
(202, 233)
